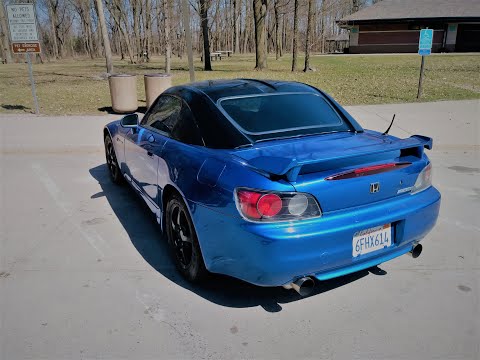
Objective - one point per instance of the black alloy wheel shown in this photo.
(183, 240)
(112, 163)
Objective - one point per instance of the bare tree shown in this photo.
(148, 28)
(139, 27)
(295, 36)
(236, 26)
(135, 6)
(82, 8)
(204, 5)
(311, 10)
(119, 15)
(259, 14)
(322, 26)
(53, 14)
(248, 26)
(188, 37)
(5, 42)
(167, 13)
(355, 5)
(278, 33)
(106, 40)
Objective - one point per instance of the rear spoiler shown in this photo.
(279, 167)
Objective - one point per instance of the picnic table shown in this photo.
(217, 55)
(228, 52)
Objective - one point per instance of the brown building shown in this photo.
(393, 26)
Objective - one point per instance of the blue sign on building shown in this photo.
(425, 42)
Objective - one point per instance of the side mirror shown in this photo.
(129, 121)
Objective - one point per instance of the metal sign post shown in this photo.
(22, 24)
(424, 49)
(32, 81)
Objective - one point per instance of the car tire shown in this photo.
(183, 240)
(112, 163)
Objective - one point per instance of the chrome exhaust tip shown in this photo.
(416, 251)
(304, 286)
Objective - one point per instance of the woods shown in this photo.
(139, 29)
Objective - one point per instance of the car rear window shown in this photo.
(273, 114)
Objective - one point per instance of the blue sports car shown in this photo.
(273, 182)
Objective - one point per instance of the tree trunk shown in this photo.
(322, 26)
(311, 10)
(355, 5)
(5, 42)
(295, 36)
(236, 26)
(148, 28)
(88, 28)
(204, 4)
(248, 24)
(188, 38)
(167, 11)
(278, 40)
(106, 40)
(117, 12)
(259, 14)
(136, 28)
(52, 11)
(159, 12)
(83, 9)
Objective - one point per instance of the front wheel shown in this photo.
(183, 240)
(112, 163)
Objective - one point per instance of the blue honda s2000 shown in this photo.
(273, 182)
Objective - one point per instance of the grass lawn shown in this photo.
(76, 86)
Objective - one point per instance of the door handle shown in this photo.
(151, 139)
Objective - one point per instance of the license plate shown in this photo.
(373, 239)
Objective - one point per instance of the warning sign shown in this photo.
(22, 23)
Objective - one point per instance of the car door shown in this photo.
(182, 155)
(144, 147)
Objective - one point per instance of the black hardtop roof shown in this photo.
(216, 89)
(216, 129)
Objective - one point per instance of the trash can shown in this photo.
(123, 91)
(155, 84)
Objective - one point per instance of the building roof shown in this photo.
(416, 9)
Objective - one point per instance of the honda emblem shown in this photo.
(374, 187)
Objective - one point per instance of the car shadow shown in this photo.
(148, 239)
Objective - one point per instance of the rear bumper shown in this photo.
(275, 254)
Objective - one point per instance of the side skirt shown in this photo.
(151, 205)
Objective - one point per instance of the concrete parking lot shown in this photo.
(85, 273)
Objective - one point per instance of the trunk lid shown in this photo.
(342, 170)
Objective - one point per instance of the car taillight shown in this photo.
(259, 205)
(424, 180)
(269, 205)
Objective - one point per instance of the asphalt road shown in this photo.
(85, 274)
